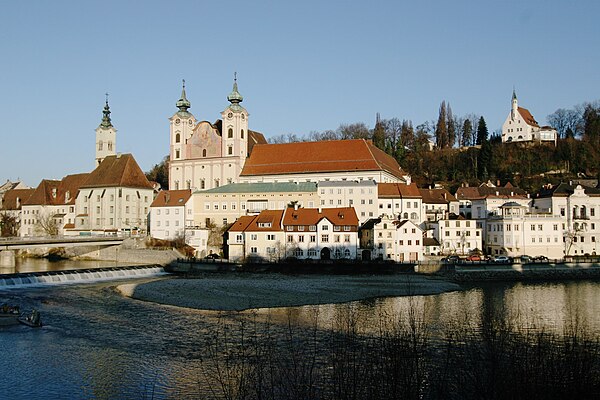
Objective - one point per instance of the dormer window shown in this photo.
(53, 193)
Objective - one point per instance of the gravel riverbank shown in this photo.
(238, 292)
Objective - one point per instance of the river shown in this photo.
(96, 344)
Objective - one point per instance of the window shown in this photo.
(298, 252)
(312, 228)
(224, 221)
(202, 184)
(253, 250)
(167, 211)
(325, 238)
(112, 210)
(238, 238)
(313, 238)
(312, 253)
(290, 239)
(270, 237)
(230, 133)
(253, 236)
(203, 152)
(301, 239)
(336, 238)
(229, 150)
(100, 145)
(242, 133)
(177, 138)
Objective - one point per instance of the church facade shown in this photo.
(521, 126)
(205, 155)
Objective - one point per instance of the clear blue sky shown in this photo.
(302, 66)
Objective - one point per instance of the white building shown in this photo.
(487, 198)
(438, 204)
(223, 205)
(361, 195)
(329, 233)
(520, 126)
(170, 213)
(115, 198)
(457, 236)
(387, 238)
(323, 233)
(578, 208)
(514, 231)
(400, 201)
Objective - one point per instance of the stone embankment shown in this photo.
(132, 251)
(523, 272)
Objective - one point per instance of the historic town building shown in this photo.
(206, 155)
(106, 136)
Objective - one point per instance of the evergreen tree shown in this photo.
(467, 132)
(379, 134)
(484, 160)
(482, 132)
(450, 127)
(441, 129)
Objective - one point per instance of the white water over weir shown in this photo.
(40, 279)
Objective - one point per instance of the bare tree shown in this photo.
(564, 120)
(47, 224)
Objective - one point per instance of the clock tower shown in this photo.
(106, 136)
(235, 127)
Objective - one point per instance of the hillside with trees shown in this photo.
(453, 150)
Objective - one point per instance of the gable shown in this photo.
(204, 142)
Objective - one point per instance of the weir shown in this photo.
(41, 279)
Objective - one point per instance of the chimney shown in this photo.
(320, 210)
(296, 206)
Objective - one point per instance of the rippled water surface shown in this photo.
(97, 344)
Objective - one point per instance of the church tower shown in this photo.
(181, 128)
(235, 127)
(515, 106)
(106, 136)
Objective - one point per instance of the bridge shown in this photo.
(9, 245)
(63, 241)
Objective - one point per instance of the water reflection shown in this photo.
(553, 307)
(96, 344)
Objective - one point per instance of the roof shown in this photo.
(253, 223)
(363, 183)
(311, 216)
(398, 190)
(429, 241)
(9, 200)
(565, 190)
(484, 191)
(436, 196)
(255, 138)
(54, 192)
(527, 116)
(118, 170)
(370, 223)
(171, 198)
(261, 187)
(242, 223)
(322, 156)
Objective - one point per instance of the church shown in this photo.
(521, 126)
(205, 155)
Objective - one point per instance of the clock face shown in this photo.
(243, 116)
(230, 115)
(177, 121)
(190, 122)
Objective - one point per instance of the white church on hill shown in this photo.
(521, 126)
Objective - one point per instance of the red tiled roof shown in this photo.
(398, 190)
(242, 223)
(323, 156)
(43, 193)
(171, 198)
(483, 191)
(9, 200)
(527, 117)
(436, 196)
(119, 170)
(311, 216)
(69, 226)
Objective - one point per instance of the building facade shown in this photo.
(521, 126)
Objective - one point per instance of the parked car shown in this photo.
(212, 256)
(541, 259)
(502, 260)
(451, 259)
(474, 257)
(525, 259)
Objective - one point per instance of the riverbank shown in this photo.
(237, 292)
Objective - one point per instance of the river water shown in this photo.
(95, 344)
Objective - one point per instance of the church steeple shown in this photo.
(235, 98)
(514, 105)
(183, 103)
(106, 122)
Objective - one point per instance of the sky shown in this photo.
(302, 66)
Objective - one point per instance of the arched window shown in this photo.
(203, 152)
(405, 215)
(347, 253)
(100, 145)
(413, 216)
(177, 154)
(230, 133)
(109, 146)
(177, 138)
(298, 252)
(242, 133)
